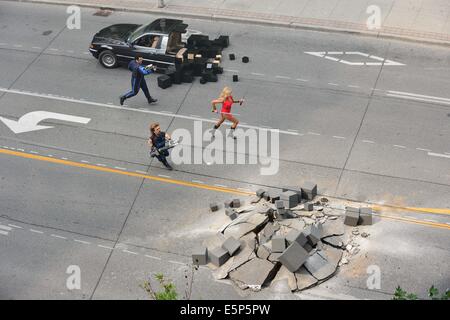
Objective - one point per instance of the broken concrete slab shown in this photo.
(290, 199)
(263, 208)
(239, 230)
(253, 273)
(262, 252)
(218, 256)
(332, 255)
(268, 230)
(351, 218)
(304, 279)
(274, 257)
(319, 267)
(333, 228)
(249, 240)
(296, 236)
(297, 224)
(293, 257)
(231, 245)
(309, 190)
(234, 262)
(285, 274)
(335, 241)
(246, 208)
(278, 244)
(200, 256)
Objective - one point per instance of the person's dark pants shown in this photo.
(162, 157)
(136, 86)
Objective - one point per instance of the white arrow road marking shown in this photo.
(438, 155)
(328, 55)
(29, 121)
(418, 97)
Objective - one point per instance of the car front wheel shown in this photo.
(108, 59)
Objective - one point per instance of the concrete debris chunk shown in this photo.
(304, 279)
(274, 257)
(285, 274)
(351, 218)
(309, 206)
(335, 241)
(231, 245)
(213, 207)
(290, 199)
(260, 193)
(253, 273)
(278, 244)
(332, 255)
(236, 203)
(228, 204)
(333, 227)
(218, 256)
(268, 230)
(309, 190)
(296, 236)
(262, 252)
(200, 256)
(319, 267)
(313, 233)
(279, 204)
(293, 257)
(365, 216)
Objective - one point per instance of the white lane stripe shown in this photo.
(105, 247)
(176, 262)
(5, 227)
(399, 146)
(314, 133)
(231, 70)
(50, 155)
(14, 226)
(338, 137)
(421, 149)
(438, 155)
(64, 158)
(417, 99)
(303, 80)
(332, 58)
(81, 241)
(220, 185)
(130, 252)
(53, 49)
(34, 152)
(335, 52)
(282, 77)
(418, 95)
(352, 86)
(257, 74)
(36, 231)
(430, 220)
(333, 84)
(101, 165)
(197, 181)
(84, 161)
(152, 257)
(57, 236)
(163, 176)
(120, 168)
(368, 141)
(81, 101)
(20, 150)
(195, 116)
(142, 172)
(5, 233)
(292, 130)
(5, 147)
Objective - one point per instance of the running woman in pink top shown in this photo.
(226, 99)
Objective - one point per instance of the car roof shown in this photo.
(164, 25)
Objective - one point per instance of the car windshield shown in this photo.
(137, 33)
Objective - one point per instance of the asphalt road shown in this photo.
(88, 194)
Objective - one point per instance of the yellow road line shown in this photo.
(426, 223)
(126, 173)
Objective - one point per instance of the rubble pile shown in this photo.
(282, 236)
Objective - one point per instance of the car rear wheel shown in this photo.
(108, 59)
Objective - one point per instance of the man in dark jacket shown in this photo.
(137, 79)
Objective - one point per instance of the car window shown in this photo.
(149, 41)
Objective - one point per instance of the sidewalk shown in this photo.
(418, 20)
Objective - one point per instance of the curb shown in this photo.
(227, 18)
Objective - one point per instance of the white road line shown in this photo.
(176, 262)
(14, 226)
(5, 228)
(197, 181)
(338, 137)
(352, 86)
(303, 80)
(332, 58)
(282, 77)
(418, 95)
(399, 146)
(131, 252)
(257, 74)
(12, 148)
(53, 49)
(292, 130)
(5, 147)
(195, 116)
(105, 247)
(57, 236)
(18, 45)
(81, 241)
(152, 257)
(430, 220)
(142, 172)
(34, 152)
(64, 158)
(84, 161)
(163, 111)
(231, 70)
(333, 84)
(21, 150)
(448, 223)
(220, 185)
(163, 176)
(314, 133)
(5, 233)
(101, 165)
(50, 155)
(438, 155)
(81, 101)
(36, 231)
(421, 149)
(335, 52)
(417, 99)
(120, 168)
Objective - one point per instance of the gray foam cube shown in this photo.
(309, 206)
(228, 203)
(233, 216)
(313, 233)
(260, 192)
(365, 216)
(351, 218)
(309, 190)
(274, 196)
(236, 203)
(213, 206)
(279, 204)
(231, 245)
(218, 256)
(200, 256)
(293, 257)
(278, 244)
(296, 236)
(290, 199)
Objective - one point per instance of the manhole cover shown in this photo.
(103, 12)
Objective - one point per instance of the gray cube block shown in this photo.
(308, 247)
(231, 245)
(365, 217)
(309, 206)
(290, 199)
(313, 233)
(279, 204)
(309, 190)
(274, 196)
(213, 206)
(218, 256)
(229, 211)
(352, 209)
(278, 244)
(228, 203)
(351, 218)
(296, 236)
(233, 216)
(293, 257)
(236, 203)
(200, 256)
(260, 192)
